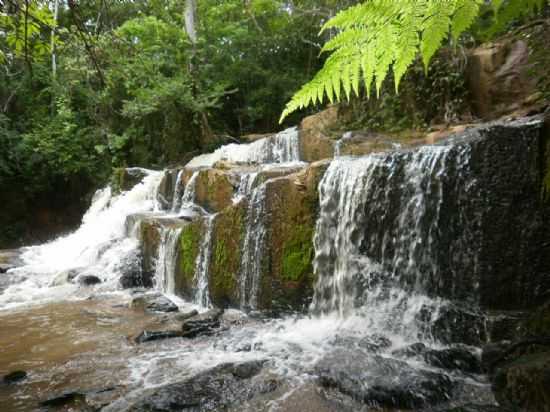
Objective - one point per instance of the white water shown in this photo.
(280, 148)
(202, 265)
(99, 247)
(253, 248)
(167, 259)
(376, 238)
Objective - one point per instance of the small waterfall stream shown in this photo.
(382, 243)
(378, 236)
(202, 265)
(167, 259)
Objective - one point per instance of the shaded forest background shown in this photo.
(129, 87)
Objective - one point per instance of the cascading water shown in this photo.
(166, 260)
(100, 247)
(202, 265)
(253, 248)
(378, 238)
(280, 148)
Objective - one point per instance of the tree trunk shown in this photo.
(190, 20)
(54, 28)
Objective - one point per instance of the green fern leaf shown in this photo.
(465, 15)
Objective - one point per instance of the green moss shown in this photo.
(117, 179)
(298, 254)
(226, 257)
(189, 241)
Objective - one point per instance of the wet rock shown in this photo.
(499, 77)
(14, 377)
(186, 315)
(149, 336)
(133, 274)
(124, 179)
(382, 382)
(154, 302)
(9, 259)
(457, 358)
(72, 399)
(67, 276)
(213, 390)
(88, 280)
(203, 324)
(315, 140)
(523, 384)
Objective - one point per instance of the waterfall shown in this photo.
(377, 237)
(253, 248)
(167, 256)
(280, 148)
(246, 184)
(99, 247)
(202, 264)
(184, 195)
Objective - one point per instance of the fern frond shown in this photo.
(465, 15)
(379, 36)
(435, 28)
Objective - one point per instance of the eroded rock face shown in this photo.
(292, 207)
(315, 141)
(216, 389)
(499, 77)
(391, 383)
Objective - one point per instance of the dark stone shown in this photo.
(149, 336)
(213, 390)
(154, 302)
(65, 399)
(133, 275)
(523, 384)
(14, 377)
(186, 315)
(204, 324)
(382, 382)
(416, 349)
(456, 358)
(497, 354)
(88, 280)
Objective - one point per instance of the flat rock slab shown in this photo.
(213, 390)
(380, 381)
(154, 302)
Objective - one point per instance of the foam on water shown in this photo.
(280, 148)
(98, 247)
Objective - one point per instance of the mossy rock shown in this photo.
(227, 238)
(123, 179)
(214, 189)
(189, 248)
(293, 208)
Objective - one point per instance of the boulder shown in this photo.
(456, 358)
(203, 324)
(124, 179)
(149, 336)
(315, 140)
(382, 382)
(14, 377)
(225, 386)
(154, 302)
(499, 77)
(88, 280)
(9, 259)
(524, 383)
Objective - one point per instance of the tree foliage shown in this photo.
(379, 36)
